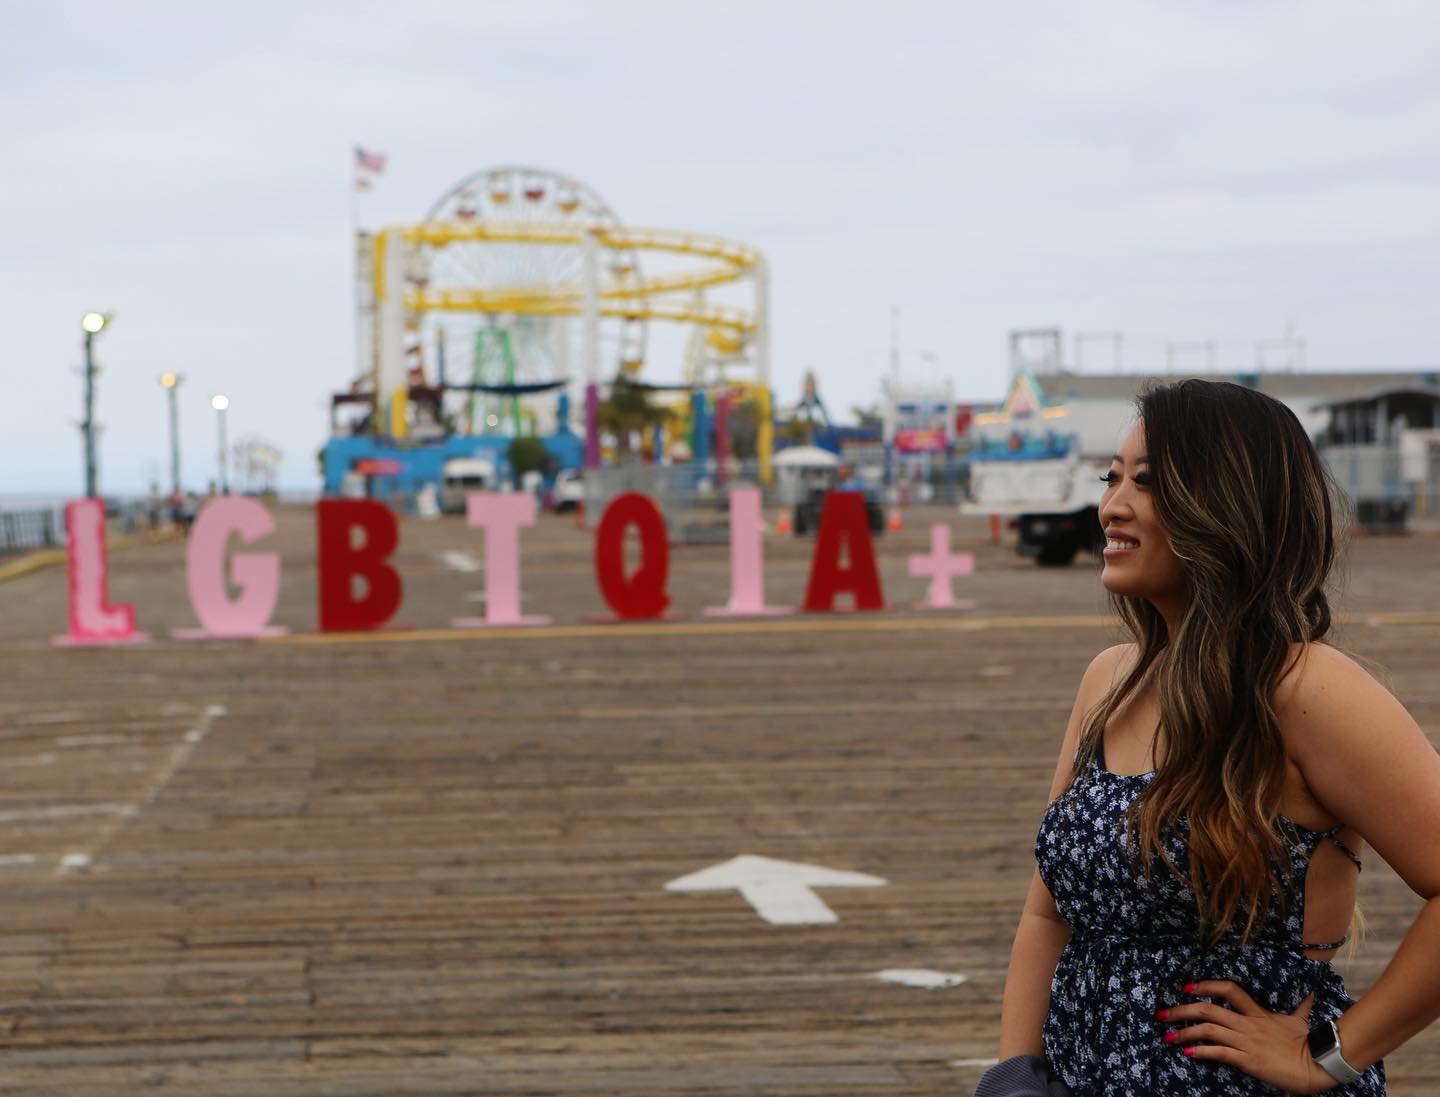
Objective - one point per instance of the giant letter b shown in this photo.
(340, 610)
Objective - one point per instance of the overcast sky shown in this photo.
(1228, 171)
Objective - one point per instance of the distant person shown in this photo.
(1218, 781)
(153, 507)
(182, 510)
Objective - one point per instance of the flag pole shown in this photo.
(355, 258)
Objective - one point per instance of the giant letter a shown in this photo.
(843, 525)
(340, 561)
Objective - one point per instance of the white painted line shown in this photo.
(65, 742)
(48, 718)
(31, 760)
(779, 891)
(66, 811)
(973, 1062)
(921, 977)
(460, 561)
(17, 858)
(193, 737)
(188, 742)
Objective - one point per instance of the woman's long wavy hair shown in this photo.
(1246, 503)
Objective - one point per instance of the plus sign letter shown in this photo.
(940, 567)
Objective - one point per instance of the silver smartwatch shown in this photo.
(1324, 1041)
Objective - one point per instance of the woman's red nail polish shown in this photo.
(1189, 1051)
(1161, 1014)
(1189, 988)
(1172, 1037)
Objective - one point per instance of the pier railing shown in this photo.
(22, 530)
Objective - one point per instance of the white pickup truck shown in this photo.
(1054, 502)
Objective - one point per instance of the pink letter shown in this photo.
(92, 619)
(941, 566)
(502, 516)
(256, 574)
(747, 564)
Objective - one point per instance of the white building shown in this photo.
(1378, 431)
(1099, 406)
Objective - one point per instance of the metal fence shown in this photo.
(44, 527)
(695, 499)
(22, 530)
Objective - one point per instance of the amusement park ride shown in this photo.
(522, 283)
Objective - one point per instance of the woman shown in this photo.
(1198, 861)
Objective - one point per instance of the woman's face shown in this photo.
(1139, 562)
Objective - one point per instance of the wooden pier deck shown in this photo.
(435, 862)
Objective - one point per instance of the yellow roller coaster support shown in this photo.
(399, 405)
(764, 434)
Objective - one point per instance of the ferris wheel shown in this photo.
(496, 347)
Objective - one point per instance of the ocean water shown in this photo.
(19, 501)
(22, 502)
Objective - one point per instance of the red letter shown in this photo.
(843, 523)
(340, 611)
(93, 620)
(642, 594)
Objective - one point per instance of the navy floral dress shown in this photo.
(1135, 943)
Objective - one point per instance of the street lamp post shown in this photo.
(171, 384)
(220, 402)
(92, 323)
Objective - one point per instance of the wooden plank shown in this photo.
(439, 868)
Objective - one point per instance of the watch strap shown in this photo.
(1329, 1057)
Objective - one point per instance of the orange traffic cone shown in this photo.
(894, 523)
(782, 521)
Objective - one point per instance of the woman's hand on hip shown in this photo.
(1247, 1036)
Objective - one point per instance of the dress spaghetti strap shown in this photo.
(1332, 835)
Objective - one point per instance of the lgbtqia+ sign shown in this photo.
(843, 563)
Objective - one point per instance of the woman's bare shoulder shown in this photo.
(1107, 668)
(1364, 759)
(1313, 670)
(1326, 701)
(1114, 662)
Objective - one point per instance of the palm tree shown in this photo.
(627, 409)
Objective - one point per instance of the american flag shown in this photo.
(369, 161)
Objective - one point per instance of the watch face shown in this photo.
(1322, 1039)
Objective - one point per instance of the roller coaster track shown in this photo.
(713, 316)
(632, 298)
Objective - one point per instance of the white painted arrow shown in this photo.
(778, 890)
